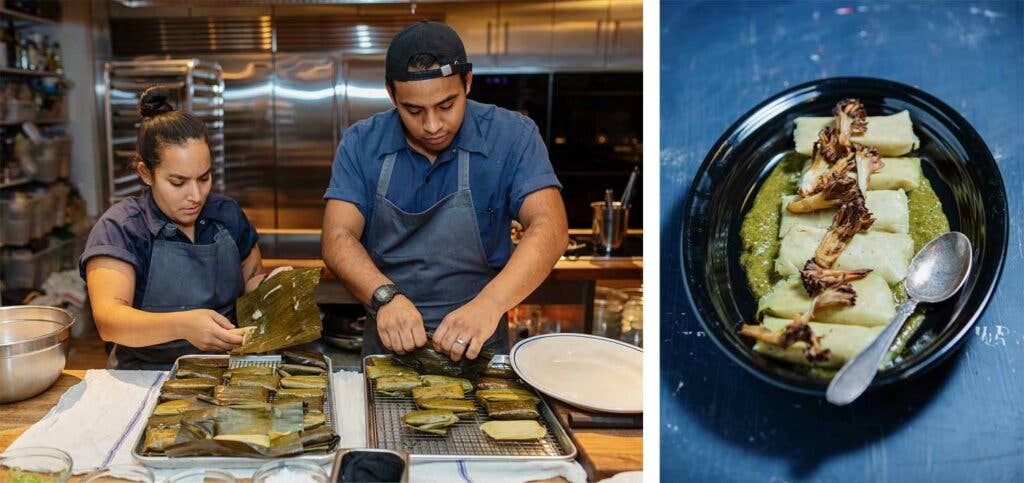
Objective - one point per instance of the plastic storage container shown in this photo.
(18, 268)
(42, 213)
(60, 193)
(18, 215)
(52, 158)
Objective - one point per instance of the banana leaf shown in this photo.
(462, 408)
(495, 395)
(250, 371)
(304, 382)
(497, 383)
(179, 406)
(434, 380)
(287, 370)
(310, 404)
(287, 417)
(300, 392)
(269, 383)
(381, 361)
(288, 444)
(165, 421)
(158, 439)
(374, 372)
(305, 358)
(397, 385)
(444, 391)
(197, 371)
(514, 430)
(220, 362)
(426, 360)
(227, 395)
(283, 309)
(511, 409)
(313, 420)
(433, 421)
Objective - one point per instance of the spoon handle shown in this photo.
(854, 378)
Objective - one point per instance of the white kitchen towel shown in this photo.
(97, 421)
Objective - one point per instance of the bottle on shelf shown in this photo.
(4, 45)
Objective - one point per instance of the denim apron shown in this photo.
(436, 258)
(184, 276)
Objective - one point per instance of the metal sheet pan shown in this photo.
(232, 461)
(464, 441)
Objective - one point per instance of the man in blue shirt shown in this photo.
(420, 204)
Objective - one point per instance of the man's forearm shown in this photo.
(347, 258)
(542, 245)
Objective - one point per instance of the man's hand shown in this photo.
(400, 326)
(472, 323)
(208, 330)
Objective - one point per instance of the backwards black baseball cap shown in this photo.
(426, 37)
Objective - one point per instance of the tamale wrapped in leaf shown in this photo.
(426, 360)
(157, 439)
(462, 408)
(283, 309)
(304, 382)
(374, 372)
(270, 383)
(513, 430)
(503, 372)
(319, 438)
(495, 395)
(300, 392)
(310, 404)
(381, 361)
(198, 371)
(179, 406)
(287, 370)
(221, 362)
(435, 380)
(178, 394)
(313, 420)
(305, 358)
(498, 383)
(250, 371)
(239, 394)
(434, 421)
(191, 383)
(397, 385)
(444, 391)
(511, 409)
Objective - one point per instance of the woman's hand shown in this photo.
(208, 330)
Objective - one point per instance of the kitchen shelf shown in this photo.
(28, 17)
(44, 73)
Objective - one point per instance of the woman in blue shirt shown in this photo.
(164, 268)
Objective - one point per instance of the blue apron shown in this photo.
(184, 276)
(436, 258)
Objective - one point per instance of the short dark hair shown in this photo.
(420, 62)
(162, 126)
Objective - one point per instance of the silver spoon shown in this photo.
(936, 273)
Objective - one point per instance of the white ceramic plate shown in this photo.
(586, 371)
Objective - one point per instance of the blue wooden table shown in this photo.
(962, 422)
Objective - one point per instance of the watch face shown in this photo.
(383, 294)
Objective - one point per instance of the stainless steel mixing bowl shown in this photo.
(34, 342)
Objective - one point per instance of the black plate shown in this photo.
(954, 158)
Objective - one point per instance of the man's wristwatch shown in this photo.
(382, 295)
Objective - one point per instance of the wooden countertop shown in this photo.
(602, 452)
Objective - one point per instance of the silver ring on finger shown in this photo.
(460, 342)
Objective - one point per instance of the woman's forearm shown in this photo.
(131, 327)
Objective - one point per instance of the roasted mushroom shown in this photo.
(868, 161)
(851, 120)
(836, 188)
(817, 278)
(853, 217)
(826, 152)
(796, 331)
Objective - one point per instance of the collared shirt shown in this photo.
(126, 232)
(508, 161)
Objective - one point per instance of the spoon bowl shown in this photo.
(939, 269)
(937, 272)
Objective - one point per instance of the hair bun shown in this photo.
(154, 101)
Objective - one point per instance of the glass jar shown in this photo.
(289, 471)
(35, 464)
(607, 318)
(201, 475)
(121, 473)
